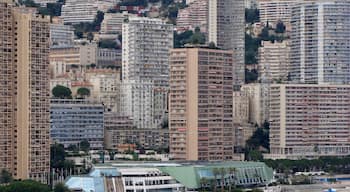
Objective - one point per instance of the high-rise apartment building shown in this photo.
(320, 42)
(24, 93)
(200, 104)
(274, 61)
(61, 35)
(195, 15)
(145, 69)
(273, 11)
(112, 22)
(226, 29)
(309, 121)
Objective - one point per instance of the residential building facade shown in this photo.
(76, 120)
(195, 15)
(320, 41)
(105, 87)
(200, 104)
(61, 35)
(24, 103)
(258, 96)
(274, 61)
(145, 70)
(309, 120)
(226, 28)
(113, 22)
(120, 130)
(79, 11)
(272, 11)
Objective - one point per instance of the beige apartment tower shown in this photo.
(24, 93)
(200, 109)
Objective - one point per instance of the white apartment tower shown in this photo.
(226, 29)
(145, 69)
(320, 51)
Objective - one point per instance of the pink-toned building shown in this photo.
(309, 120)
(195, 15)
(200, 104)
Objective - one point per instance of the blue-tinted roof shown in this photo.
(108, 172)
(87, 184)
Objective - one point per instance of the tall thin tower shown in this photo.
(24, 93)
(226, 29)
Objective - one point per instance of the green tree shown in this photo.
(280, 27)
(5, 176)
(232, 172)
(83, 92)
(254, 155)
(216, 173)
(90, 36)
(60, 187)
(204, 182)
(252, 15)
(62, 92)
(265, 35)
(251, 75)
(223, 172)
(84, 145)
(25, 186)
(57, 155)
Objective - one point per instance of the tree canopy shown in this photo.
(62, 92)
(188, 37)
(83, 92)
(5, 176)
(25, 186)
(280, 27)
(85, 145)
(60, 187)
(252, 15)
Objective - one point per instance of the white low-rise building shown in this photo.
(79, 11)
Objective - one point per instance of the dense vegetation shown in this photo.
(188, 37)
(258, 143)
(252, 15)
(61, 92)
(338, 165)
(87, 28)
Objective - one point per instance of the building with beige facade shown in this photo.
(79, 55)
(105, 87)
(240, 107)
(24, 92)
(120, 131)
(273, 11)
(200, 104)
(195, 15)
(309, 120)
(258, 96)
(274, 61)
(112, 23)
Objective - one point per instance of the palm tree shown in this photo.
(204, 183)
(232, 171)
(222, 171)
(216, 172)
